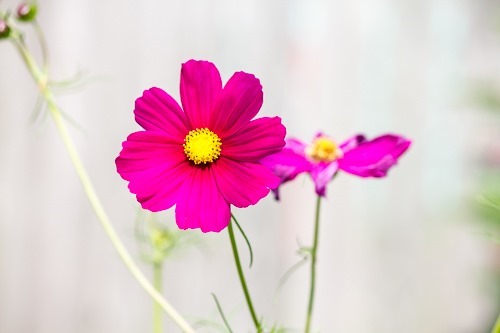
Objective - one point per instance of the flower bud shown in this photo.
(4, 29)
(26, 12)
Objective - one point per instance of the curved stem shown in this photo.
(157, 282)
(40, 79)
(242, 276)
(314, 250)
(43, 47)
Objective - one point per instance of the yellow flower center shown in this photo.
(323, 149)
(202, 146)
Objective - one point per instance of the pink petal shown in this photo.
(297, 146)
(256, 140)
(200, 87)
(243, 184)
(321, 174)
(287, 165)
(159, 189)
(144, 150)
(352, 143)
(201, 204)
(155, 166)
(157, 111)
(374, 158)
(238, 103)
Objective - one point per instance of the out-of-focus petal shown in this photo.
(257, 139)
(243, 184)
(321, 174)
(374, 158)
(201, 204)
(200, 87)
(286, 165)
(296, 146)
(238, 103)
(352, 143)
(158, 111)
(155, 166)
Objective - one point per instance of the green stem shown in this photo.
(242, 276)
(157, 312)
(496, 328)
(314, 250)
(41, 79)
(43, 47)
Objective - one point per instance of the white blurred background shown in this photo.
(408, 253)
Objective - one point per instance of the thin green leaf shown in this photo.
(199, 323)
(289, 272)
(76, 78)
(37, 109)
(219, 308)
(305, 251)
(488, 202)
(78, 81)
(246, 240)
(72, 121)
(43, 46)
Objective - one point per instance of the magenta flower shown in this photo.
(323, 158)
(203, 157)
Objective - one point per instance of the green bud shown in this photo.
(4, 29)
(162, 239)
(26, 12)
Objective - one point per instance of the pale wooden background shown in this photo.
(397, 255)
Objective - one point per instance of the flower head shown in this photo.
(204, 156)
(323, 158)
(27, 12)
(4, 29)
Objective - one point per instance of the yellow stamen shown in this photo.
(323, 149)
(202, 146)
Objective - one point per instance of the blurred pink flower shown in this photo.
(323, 158)
(203, 157)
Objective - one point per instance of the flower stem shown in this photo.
(43, 46)
(314, 250)
(157, 282)
(41, 79)
(242, 276)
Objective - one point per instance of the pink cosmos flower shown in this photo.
(203, 157)
(323, 158)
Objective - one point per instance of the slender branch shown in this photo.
(314, 250)
(43, 46)
(157, 282)
(242, 276)
(41, 80)
(247, 241)
(219, 308)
